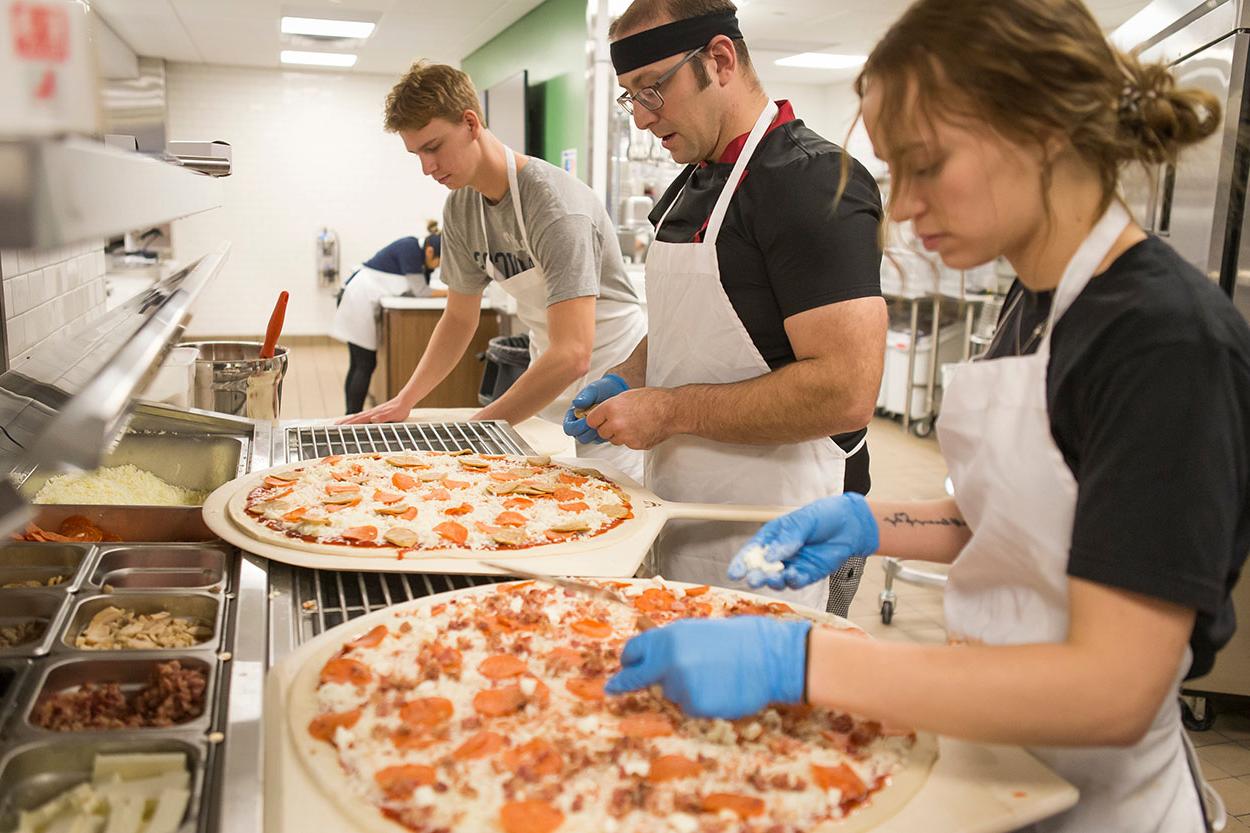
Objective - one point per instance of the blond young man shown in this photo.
(539, 234)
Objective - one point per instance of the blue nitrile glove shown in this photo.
(600, 390)
(811, 543)
(727, 668)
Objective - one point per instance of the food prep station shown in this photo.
(167, 560)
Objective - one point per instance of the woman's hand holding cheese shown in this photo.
(808, 544)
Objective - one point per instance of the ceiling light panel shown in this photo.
(318, 27)
(319, 59)
(822, 60)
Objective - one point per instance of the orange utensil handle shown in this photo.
(275, 327)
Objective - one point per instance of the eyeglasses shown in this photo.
(649, 97)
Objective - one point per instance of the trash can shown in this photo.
(231, 378)
(506, 359)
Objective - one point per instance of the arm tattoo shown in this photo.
(904, 519)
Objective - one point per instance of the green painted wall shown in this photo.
(550, 43)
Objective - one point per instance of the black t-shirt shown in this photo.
(1148, 388)
(787, 244)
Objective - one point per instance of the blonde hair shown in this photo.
(427, 92)
(1033, 70)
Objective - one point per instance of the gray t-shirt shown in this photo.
(569, 230)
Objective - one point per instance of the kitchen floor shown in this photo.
(903, 467)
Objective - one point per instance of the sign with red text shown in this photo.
(47, 69)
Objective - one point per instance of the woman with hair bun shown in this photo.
(1100, 451)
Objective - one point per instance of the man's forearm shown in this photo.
(451, 337)
(542, 382)
(805, 400)
(634, 369)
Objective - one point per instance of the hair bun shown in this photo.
(1158, 118)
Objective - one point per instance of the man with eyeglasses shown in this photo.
(766, 328)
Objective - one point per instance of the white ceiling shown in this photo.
(246, 32)
(777, 28)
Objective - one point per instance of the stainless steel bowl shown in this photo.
(40, 562)
(43, 606)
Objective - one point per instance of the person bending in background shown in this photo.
(1100, 451)
(433, 249)
(398, 268)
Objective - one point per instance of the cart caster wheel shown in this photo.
(887, 612)
(1198, 724)
(922, 429)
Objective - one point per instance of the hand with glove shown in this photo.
(808, 544)
(598, 391)
(726, 668)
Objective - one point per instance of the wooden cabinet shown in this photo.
(405, 336)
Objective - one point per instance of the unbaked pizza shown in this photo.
(429, 500)
(486, 712)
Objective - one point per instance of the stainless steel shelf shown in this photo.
(55, 192)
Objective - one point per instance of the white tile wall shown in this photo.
(309, 151)
(47, 291)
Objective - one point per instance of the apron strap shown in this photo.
(1080, 269)
(735, 176)
(514, 190)
(1214, 816)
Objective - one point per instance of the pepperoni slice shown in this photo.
(504, 476)
(360, 533)
(565, 658)
(840, 777)
(462, 509)
(342, 670)
(497, 702)
(455, 484)
(323, 726)
(646, 725)
(487, 529)
(553, 535)
(779, 608)
(481, 745)
(510, 519)
(452, 531)
(295, 514)
(744, 806)
(518, 503)
(566, 495)
(407, 737)
(403, 482)
(587, 688)
(594, 628)
(387, 497)
(437, 494)
(398, 782)
(532, 816)
(409, 514)
(341, 488)
(654, 600)
(697, 591)
(393, 510)
(672, 767)
(571, 479)
(516, 587)
(538, 755)
(371, 639)
(502, 666)
(333, 459)
(276, 482)
(426, 712)
(574, 507)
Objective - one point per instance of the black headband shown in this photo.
(652, 45)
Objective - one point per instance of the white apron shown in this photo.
(695, 337)
(619, 327)
(356, 318)
(1009, 585)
